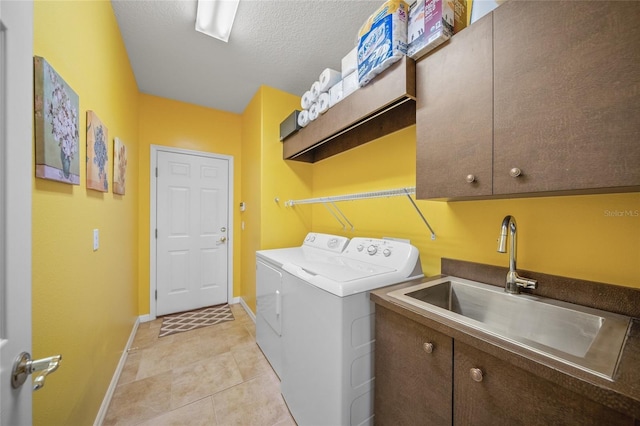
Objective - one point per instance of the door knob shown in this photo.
(24, 366)
(223, 239)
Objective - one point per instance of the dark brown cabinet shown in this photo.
(534, 98)
(413, 370)
(454, 116)
(489, 391)
(454, 383)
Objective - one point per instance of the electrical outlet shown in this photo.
(96, 239)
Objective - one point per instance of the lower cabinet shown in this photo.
(424, 377)
(414, 375)
(489, 391)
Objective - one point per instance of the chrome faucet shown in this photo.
(514, 281)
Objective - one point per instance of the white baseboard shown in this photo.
(146, 318)
(116, 375)
(246, 308)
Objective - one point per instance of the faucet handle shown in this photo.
(526, 282)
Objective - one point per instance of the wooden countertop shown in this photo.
(621, 394)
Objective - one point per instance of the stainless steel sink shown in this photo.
(587, 338)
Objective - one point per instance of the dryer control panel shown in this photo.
(333, 243)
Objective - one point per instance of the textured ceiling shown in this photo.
(284, 44)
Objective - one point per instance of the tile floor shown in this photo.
(213, 375)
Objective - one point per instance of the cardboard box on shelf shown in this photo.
(432, 22)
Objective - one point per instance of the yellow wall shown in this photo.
(85, 302)
(186, 126)
(266, 177)
(571, 236)
(251, 176)
(280, 179)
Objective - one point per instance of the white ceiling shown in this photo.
(284, 44)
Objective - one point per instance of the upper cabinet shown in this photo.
(383, 106)
(533, 99)
(454, 117)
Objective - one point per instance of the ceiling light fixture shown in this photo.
(215, 17)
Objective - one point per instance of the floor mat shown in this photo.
(172, 324)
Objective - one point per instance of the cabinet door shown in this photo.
(567, 95)
(413, 386)
(507, 395)
(454, 116)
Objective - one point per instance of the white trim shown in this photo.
(116, 376)
(145, 318)
(152, 219)
(246, 307)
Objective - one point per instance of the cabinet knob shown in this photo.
(428, 347)
(471, 178)
(515, 172)
(476, 374)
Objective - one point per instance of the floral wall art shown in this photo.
(56, 108)
(119, 166)
(97, 157)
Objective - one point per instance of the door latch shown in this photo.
(24, 366)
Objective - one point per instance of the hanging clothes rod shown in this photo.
(362, 196)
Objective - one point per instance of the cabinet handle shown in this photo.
(515, 172)
(476, 374)
(471, 178)
(428, 347)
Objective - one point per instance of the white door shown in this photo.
(192, 223)
(16, 164)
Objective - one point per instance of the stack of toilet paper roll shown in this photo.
(331, 87)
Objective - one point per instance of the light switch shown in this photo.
(96, 239)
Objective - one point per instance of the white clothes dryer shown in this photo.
(328, 329)
(316, 248)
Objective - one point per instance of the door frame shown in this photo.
(153, 285)
(17, 162)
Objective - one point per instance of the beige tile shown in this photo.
(155, 324)
(140, 400)
(192, 377)
(130, 369)
(201, 379)
(251, 328)
(199, 413)
(255, 402)
(145, 337)
(289, 421)
(155, 359)
(251, 362)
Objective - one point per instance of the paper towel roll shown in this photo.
(328, 78)
(313, 111)
(323, 102)
(315, 91)
(303, 118)
(305, 101)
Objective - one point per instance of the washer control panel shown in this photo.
(333, 243)
(390, 253)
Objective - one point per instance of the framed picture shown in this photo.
(56, 119)
(97, 155)
(119, 166)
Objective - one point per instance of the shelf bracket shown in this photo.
(329, 203)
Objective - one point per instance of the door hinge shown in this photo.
(156, 294)
(156, 233)
(156, 172)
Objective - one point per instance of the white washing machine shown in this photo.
(327, 338)
(316, 249)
